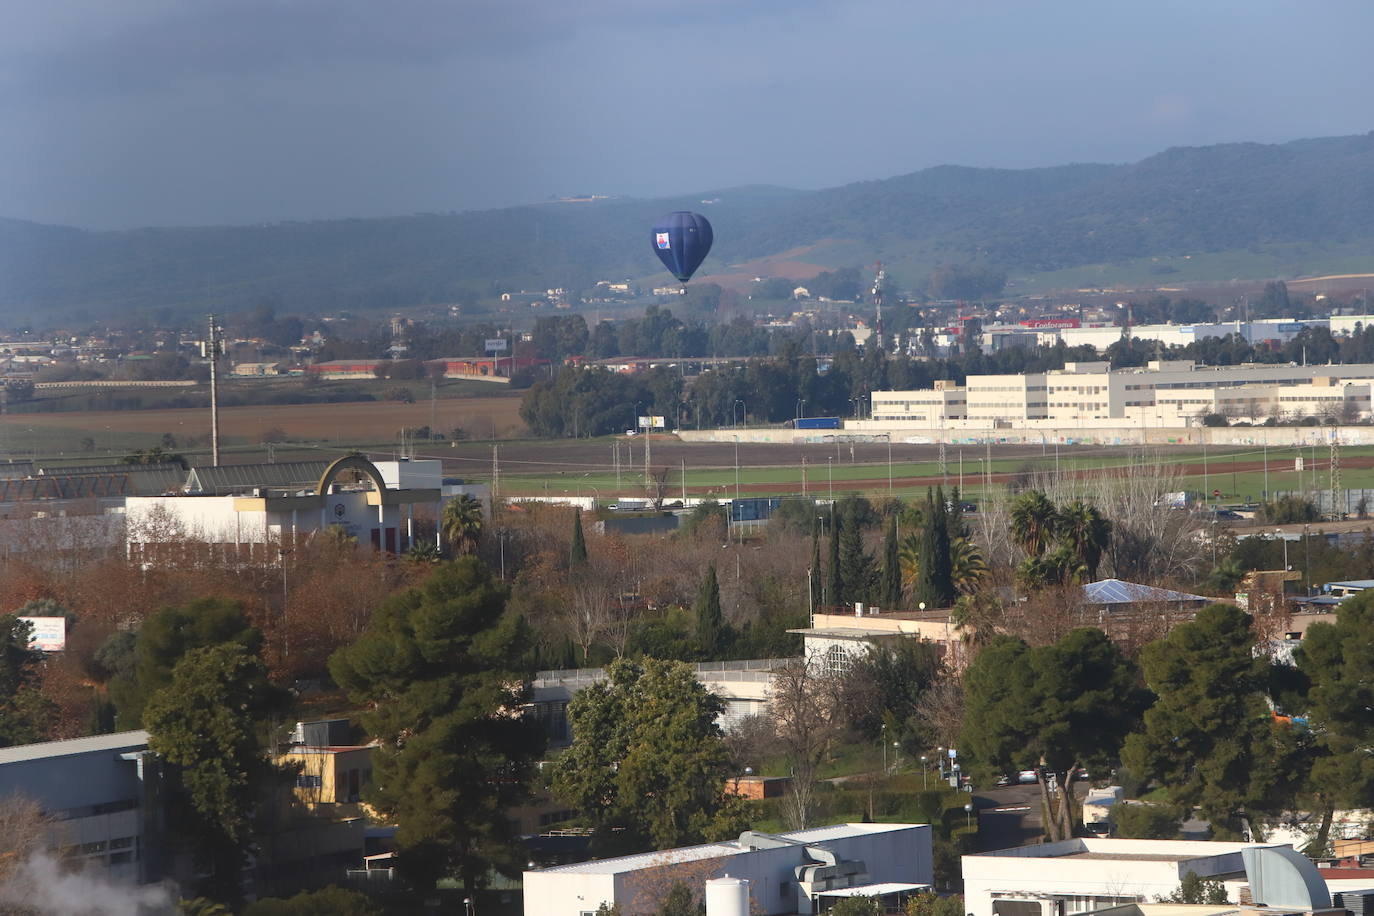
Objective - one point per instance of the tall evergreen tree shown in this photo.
(935, 583)
(710, 622)
(577, 554)
(25, 714)
(856, 566)
(834, 585)
(441, 668)
(1208, 737)
(814, 573)
(891, 590)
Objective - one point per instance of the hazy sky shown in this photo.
(119, 113)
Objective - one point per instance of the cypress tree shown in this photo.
(814, 573)
(834, 588)
(577, 555)
(891, 590)
(856, 567)
(710, 622)
(935, 586)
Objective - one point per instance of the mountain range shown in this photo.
(1181, 202)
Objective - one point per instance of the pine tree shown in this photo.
(710, 622)
(577, 555)
(891, 591)
(834, 587)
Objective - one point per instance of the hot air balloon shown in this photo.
(681, 240)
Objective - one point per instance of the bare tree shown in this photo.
(803, 702)
(23, 832)
(941, 711)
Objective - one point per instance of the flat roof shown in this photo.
(847, 632)
(635, 862)
(872, 890)
(119, 741)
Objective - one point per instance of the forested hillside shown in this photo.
(1182, 201)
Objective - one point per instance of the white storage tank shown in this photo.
(727, 897)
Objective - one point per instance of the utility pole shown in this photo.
(878, 302)
(495, 478)
(684, 483)
(211, 350)
(1335, 473)
(648, 480)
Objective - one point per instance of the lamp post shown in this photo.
(801, 407)
(830, 473)
(925, 772)
(1278, 533)
(968, 814)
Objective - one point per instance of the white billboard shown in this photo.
(49, 633)
(648, 422)
(496, 345)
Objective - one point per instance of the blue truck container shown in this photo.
(816, 423)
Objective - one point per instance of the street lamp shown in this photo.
(968, 814)
(925, 771)
(1278, 533)
(801, 407)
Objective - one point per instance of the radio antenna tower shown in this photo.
(878, 303)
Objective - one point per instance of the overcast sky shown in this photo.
(117, 113)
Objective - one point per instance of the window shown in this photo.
(308, 782)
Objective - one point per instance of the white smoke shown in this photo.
(40, 886)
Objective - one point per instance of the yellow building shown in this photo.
(330, 775)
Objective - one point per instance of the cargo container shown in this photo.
(817, 423)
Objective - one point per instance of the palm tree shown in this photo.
(1033, 521)
(967, 566)
(461, 523)
(909, 561)
(1083, 530)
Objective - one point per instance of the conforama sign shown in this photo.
(49, 633)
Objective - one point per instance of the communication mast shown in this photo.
(1336, 513)
(878, 303)
(211, 348)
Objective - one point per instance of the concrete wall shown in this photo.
(1036, 432)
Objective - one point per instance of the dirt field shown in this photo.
(343, 423)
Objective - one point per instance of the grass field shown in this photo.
(589, 467)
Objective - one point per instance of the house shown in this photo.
(787, 873)
(331, 774)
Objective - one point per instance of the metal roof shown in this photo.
(81, 470)
(1116, 591)
(233, 478)
(119, 741)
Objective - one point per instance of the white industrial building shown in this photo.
(255, 509)
(790, 873)
(1080, 875)
(1164, 393)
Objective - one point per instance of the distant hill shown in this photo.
(1182, 201)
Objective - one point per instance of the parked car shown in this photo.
(1027, 777)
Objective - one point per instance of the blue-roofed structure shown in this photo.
(1114, 596)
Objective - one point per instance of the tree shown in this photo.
(856, 566)
(1337, 659)
(442, 668)
(647, 765)
(1145, 822)
(809, 719)
(710, 622)
(857, 906)
(967, 568)
(1054, 708)
(25, 714)
(1033, 520)
(935, 585)
(834, 583)
(461, 522)
(1208, 737)
(679, 902)
(204, 723)
(886, 685)
(166, 637)
(1082, 529)
(1196, 890)
(577, 553)
(909, 558)
(890, 585)
(329, 901)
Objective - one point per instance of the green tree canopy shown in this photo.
(1208, 737)
(647, 756)
(711, 627)
(166, 637)
(1337, 659)
(328, 901)
(205, 724)
(1053, 708)
(442, 668)
(25, 714)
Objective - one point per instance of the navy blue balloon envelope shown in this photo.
(681, 240)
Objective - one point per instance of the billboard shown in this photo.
(651, 422)
(49, 633)
(496, 345)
